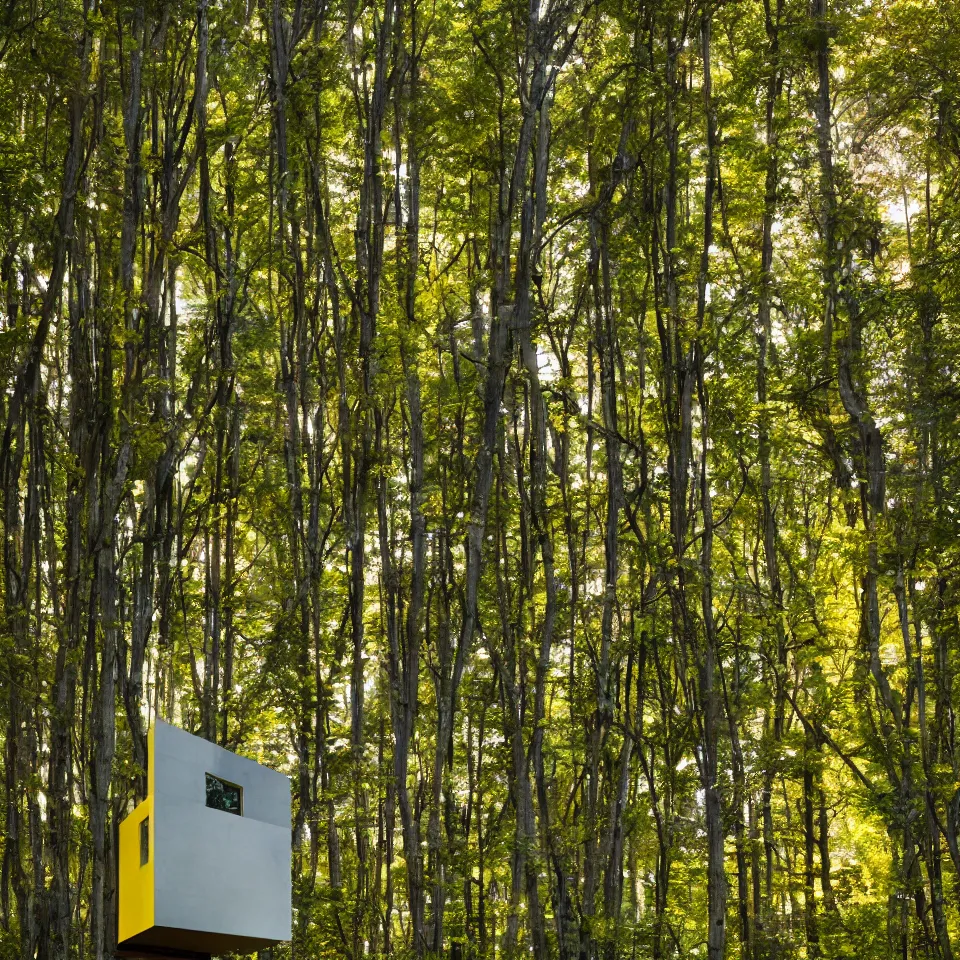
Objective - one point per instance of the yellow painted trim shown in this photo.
(150, 762)
(136, 900)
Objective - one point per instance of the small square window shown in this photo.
(144, 841)
(224, 796)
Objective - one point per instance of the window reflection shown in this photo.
(224, 796)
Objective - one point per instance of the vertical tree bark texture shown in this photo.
(527, 426)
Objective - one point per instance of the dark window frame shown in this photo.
(228, 784)
(144, 841)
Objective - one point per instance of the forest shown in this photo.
(530, 425)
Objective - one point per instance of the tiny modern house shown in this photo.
(205, 858)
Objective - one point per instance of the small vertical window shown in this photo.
(224, 796)
(144, 841)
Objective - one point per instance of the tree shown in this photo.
(527, 425)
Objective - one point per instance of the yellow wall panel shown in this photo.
(136, 906)
(136, 881)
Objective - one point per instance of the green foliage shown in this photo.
(268, 474)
